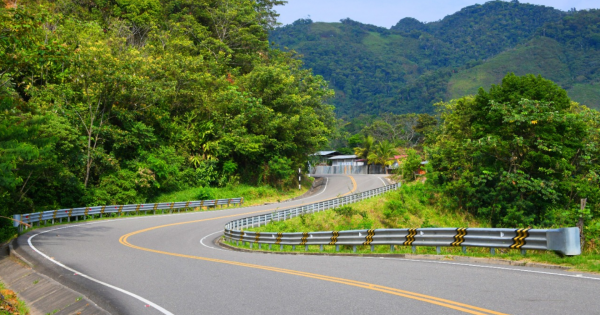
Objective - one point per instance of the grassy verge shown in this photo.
(409, 207)
(252, 196)
(10, 303)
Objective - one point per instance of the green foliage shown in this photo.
(383, 154)
(410, 165)
(413, 65)
(394, 209)
(518, 153)
(117, 101)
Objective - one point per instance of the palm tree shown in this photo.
(366, 150)
(383, 154)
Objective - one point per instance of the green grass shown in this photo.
(252, 195)
(419, 208)
(11, 305)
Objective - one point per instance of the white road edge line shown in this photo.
(202, 241)
(578, 276)
(146, 301)
(326, 181)
(381, 179)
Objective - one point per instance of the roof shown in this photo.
(396, 157)
(322, 153)
(342, 157)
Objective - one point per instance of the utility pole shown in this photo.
(299, 178)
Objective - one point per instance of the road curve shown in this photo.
(169, 265)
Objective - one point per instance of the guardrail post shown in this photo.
(372, 248)
(293, 247)
(280, 247)
(492, 251)
(305, 247)
(270, 246)
(523, 252)
(354, 248)
(337, 248)
(321, 248)
(438, 250)
(391, 248)
(414, 249)
(464, 249)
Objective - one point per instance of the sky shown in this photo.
(387, 13)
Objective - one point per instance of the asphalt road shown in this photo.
(169, 264)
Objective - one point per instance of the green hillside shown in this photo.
(543, 56)
(412, 65)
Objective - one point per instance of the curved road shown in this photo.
(169, 265)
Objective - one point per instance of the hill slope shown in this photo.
(412, 65)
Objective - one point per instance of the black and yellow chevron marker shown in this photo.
(369, 237)
(242, 236)
(334, 237)
(71, 212)
(102, 210)
(40, 219)
(187, 204)
(55, 213)
(155, 206)
(257, 238)
(519, 240)
(86, 211)
(120, 209)
(304, 237)
(137, 209)
(459, 238)
(410, 237)
(279, 235)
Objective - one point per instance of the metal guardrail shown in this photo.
(565, 240)
(52, 215)
(263, 219)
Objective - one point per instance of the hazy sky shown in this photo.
(387, 13)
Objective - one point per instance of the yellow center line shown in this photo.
(407, 294)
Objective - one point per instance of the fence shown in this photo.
(348, 169)
(52, 215)
(565, 241)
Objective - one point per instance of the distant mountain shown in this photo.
(412, 65)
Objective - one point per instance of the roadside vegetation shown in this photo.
(10, 304)
(252, 196)
(413, 205)
(519, 155)
(115, 102)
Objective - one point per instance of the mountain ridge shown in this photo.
(413, 64)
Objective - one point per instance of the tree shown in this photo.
(511, 159)
(383, 154)
(363, 152)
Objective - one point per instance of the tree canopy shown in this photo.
(114, 101)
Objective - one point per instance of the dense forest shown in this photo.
(412, 65)
(115, 101)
